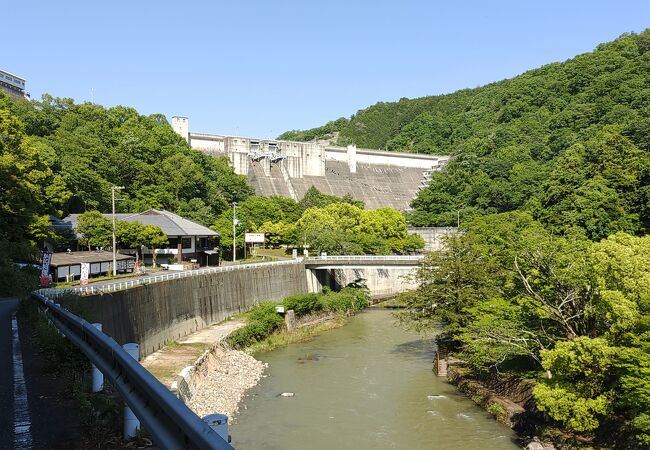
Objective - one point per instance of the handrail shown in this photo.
(170, 422)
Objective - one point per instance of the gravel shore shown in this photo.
(226, 383)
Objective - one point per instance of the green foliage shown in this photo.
(327, 131)
(303, 304)
(577, 413)
(347, 300)
(263, 320)
(568, 142)
(510, 295)
(94, 230)
(342, 228)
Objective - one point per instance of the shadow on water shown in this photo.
(418, 349)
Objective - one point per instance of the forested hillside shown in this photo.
(81, 150)
(57, 157)
(568, 142)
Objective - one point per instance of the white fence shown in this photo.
(128, 284)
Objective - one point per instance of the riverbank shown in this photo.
(220, 379)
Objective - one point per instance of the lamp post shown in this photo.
(114, 238)
(234, 232)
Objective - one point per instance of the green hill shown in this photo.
(568, 141)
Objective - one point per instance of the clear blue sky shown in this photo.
(259, 68)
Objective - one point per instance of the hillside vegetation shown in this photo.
(568, 142)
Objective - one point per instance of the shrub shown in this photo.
(303, 304)
(348, 299)
(247, 335)
(264, 313)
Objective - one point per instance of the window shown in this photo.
(187, 242)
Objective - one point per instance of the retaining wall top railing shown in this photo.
(127, 284)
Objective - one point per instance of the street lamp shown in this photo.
(234, 232)
(114, 238)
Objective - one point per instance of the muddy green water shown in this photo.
(367, 385)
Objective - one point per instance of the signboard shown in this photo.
(254, 238)
(45, 269)
(125, 264)
(85, 271)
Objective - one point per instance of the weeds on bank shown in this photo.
(283, 338)
(265, 321)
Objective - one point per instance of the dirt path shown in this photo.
(166, 363)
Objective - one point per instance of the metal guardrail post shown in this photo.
(131, 422)
(98, 376)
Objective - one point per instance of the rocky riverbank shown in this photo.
(219, 381)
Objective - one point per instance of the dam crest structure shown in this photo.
(289, 168)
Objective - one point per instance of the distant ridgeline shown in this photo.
(289, 168)
(568, 142)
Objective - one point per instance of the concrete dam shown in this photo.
(289, 169)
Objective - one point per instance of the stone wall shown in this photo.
(154, 314)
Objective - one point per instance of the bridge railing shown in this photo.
(170, 422)
(127, 284)
(368, 258)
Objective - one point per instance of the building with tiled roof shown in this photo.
(192, 240)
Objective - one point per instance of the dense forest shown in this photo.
(568, 142)
(58, 157)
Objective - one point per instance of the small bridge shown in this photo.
(382, 275)
(361, 261)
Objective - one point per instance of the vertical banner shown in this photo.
(45, 269)
(85, 271)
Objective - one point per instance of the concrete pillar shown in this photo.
(98, 376)
(131, 422)
(179, 249)
(181, 125)
(352, 158)
(290, 320)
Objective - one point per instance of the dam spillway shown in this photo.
(287, 168)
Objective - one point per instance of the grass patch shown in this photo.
(283, 338)
(264, 320)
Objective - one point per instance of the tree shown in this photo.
(94, 230)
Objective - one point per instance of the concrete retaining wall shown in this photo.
(154, 314)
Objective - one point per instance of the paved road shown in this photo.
(7, 307)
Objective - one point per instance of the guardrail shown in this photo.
(170, 422)
(127, 284)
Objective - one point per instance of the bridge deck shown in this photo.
(332, 262)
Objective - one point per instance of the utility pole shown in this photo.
(458, 217)
(114, 238)
(234, 232)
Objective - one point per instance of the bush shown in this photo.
(264, 320)
(303, 304)
(264, 314)
(348, 299)
(247, 335)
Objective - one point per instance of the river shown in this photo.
(367, 385)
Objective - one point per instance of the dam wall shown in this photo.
(287, 168)
(157, 313)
